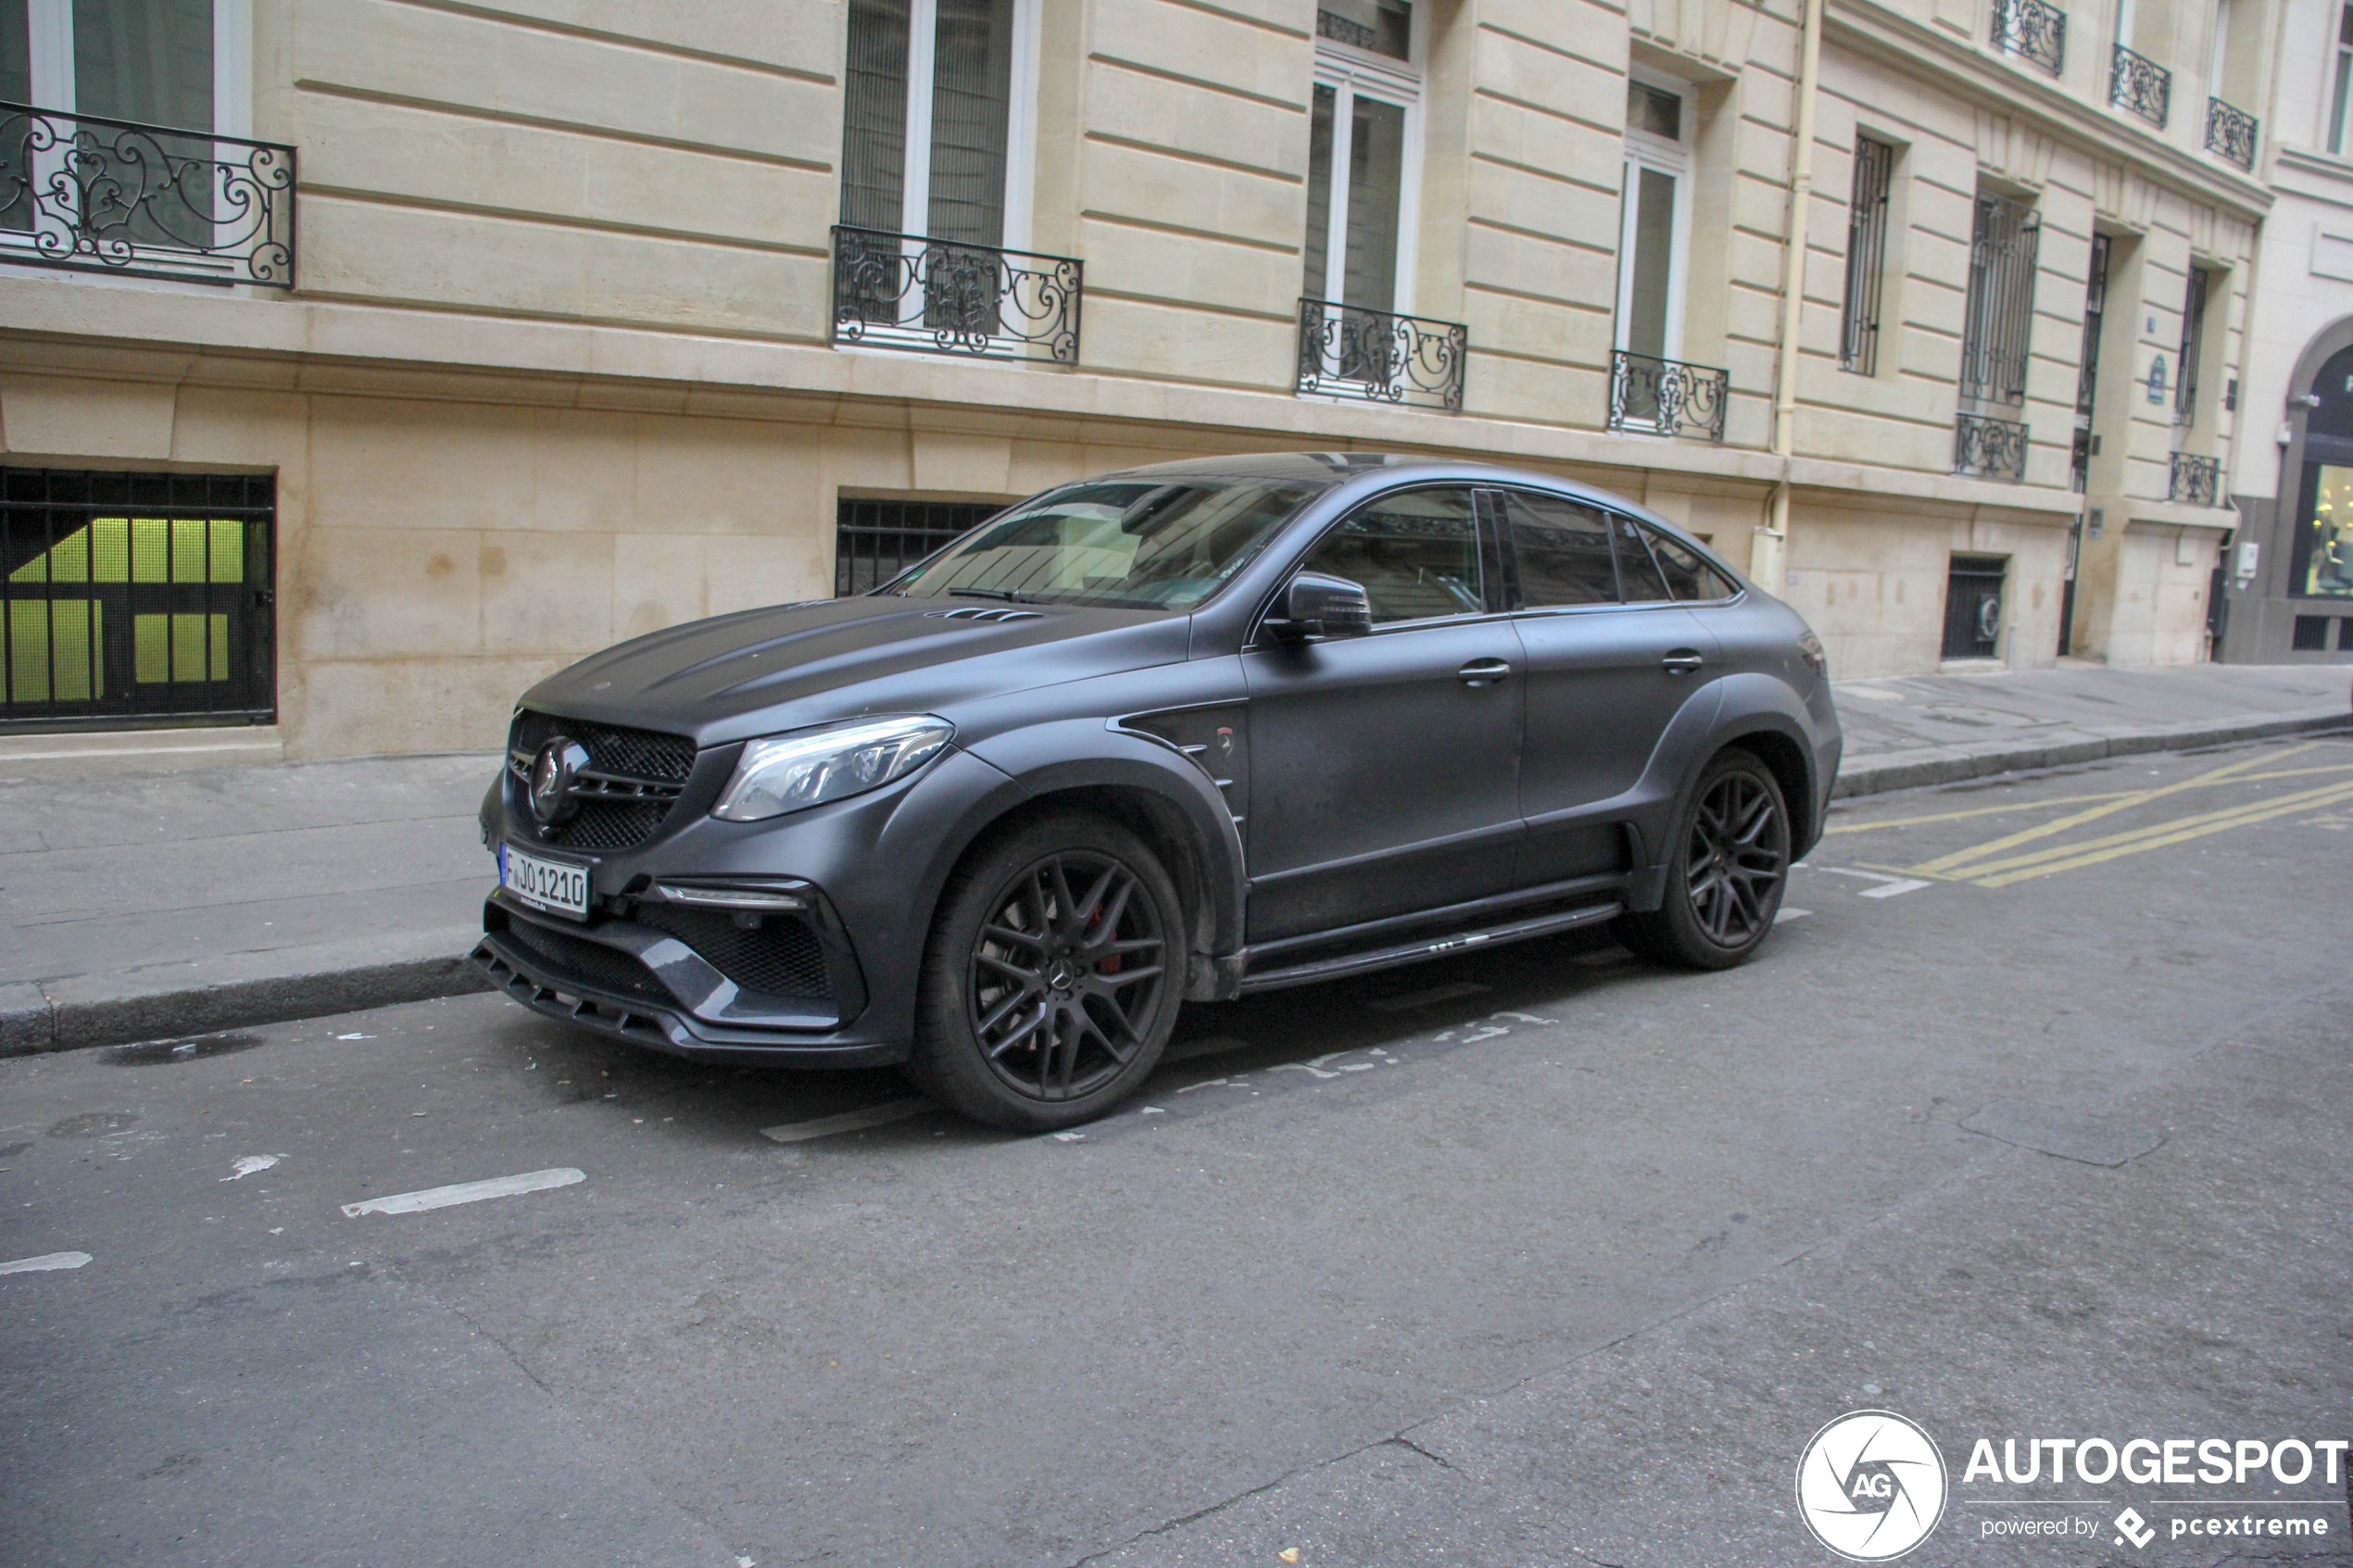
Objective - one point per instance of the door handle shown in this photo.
(1482, 671)
(1682, 662)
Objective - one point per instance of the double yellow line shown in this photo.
(1988, 865)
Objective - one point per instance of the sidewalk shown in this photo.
(148, 906)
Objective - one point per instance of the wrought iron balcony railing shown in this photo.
(943, 296)
(143, 201)
(1985, 448)
(2195, 479)
(1666, 397)
(2140, 84)
(2033, 30)
(1379, 357)
(2230, 133)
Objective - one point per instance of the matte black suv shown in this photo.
(1184, 733)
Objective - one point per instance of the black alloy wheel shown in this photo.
(1050, 987)
(1730, 867)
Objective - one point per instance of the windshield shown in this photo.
(1136, 544)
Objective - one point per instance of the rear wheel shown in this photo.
(1730, 865)
(1050, 981)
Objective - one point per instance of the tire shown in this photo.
(1729, 867)
(1052, 975)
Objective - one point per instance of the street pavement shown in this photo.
(1546, 1256)
(135, 906)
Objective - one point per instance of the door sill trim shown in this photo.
(1421, 950)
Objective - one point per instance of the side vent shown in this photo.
(977, 613)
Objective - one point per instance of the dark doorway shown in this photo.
(875, 541)
(1973, 606)
(136, 598)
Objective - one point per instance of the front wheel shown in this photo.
(1050, 982)
(1730, 867)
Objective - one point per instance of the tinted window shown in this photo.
(1416, 554)
(1687, 574)
(1563, 549)
(1636, 573)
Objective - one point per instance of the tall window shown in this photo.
(2004, 239)
(933, 121)
(1655, 219)
(2087, 374)
(2193, 341)
(1363, 156)
(1866, 255)
(2344, 79)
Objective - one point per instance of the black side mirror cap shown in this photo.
(1320, 606)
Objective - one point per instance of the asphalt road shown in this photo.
(1541, 1257)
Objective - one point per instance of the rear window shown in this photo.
(1688, 575)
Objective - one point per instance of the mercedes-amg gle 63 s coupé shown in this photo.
(1184, 733)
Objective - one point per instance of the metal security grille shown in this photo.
(2002, 242)
(135, 597)
(1973, 606)
(875, 541)
(1866, 255)
(2192, 336)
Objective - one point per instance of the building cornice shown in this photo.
(1895, 39)
(63, 327)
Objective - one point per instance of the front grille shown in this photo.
(779, 956)
(592, 963)
(634, 775)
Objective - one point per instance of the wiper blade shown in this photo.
(1005, 593)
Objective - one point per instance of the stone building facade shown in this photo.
(532, 326)
(2287, 582)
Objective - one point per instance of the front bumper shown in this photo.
(637, 982)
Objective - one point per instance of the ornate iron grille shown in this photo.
(2031, 31)
(1866, 255)
(942, 296)
(1985, 448)
(1349, 351)
(2003, 246)
(145, 201)
(2230, 133)
(875, 541)
(2140, 84)
(2195, 479)
(128, 597)
(1666, 397)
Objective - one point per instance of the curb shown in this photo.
(34, 1022)
(1876, 774)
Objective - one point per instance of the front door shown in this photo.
(1385, 769)
(1611, 660)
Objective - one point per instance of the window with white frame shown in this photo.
(937, 119)
(179, 64)
(1364, 165)
(1655, 217)
(2344, 79)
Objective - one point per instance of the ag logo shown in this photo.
(1870, 1485)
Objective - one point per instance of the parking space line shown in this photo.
(2157, 834)
(47, 1261)
(2009, 806)
(856, 1121)
(466, 1192)
(2167, 834)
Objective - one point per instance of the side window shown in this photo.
(1689, 576)
(1563, 548)
(1416, 555)
(1637, 575)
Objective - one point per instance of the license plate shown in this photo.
(552, 885)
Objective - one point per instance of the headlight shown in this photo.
(810, 767)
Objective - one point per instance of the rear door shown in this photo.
(1611, 660)
(1385, 769)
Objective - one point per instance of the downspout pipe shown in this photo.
(1767, 556)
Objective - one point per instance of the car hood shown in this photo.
(763, 671)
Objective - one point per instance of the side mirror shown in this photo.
(1318, 605)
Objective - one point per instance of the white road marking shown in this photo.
(1067, 1137)
(249, 1163)
(466, 1192)
(1895, 885)
(45, 1262)
(1785, 912)
(857, 1121)
(354, 1036)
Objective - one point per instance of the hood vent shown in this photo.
(977, 613)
